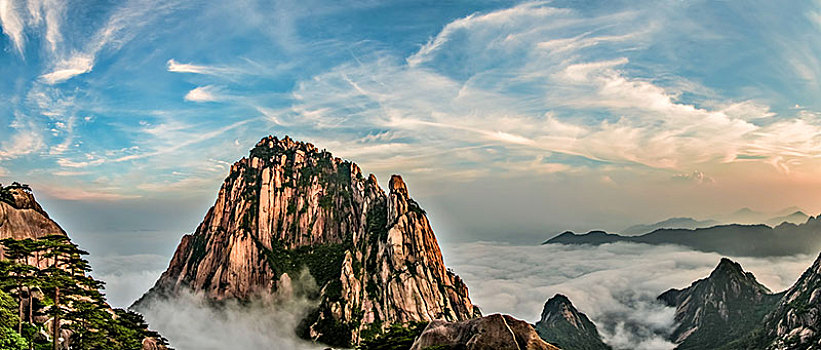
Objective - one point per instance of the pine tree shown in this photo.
(17, 272)
(56, 267)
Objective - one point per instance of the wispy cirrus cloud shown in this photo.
(12, 24)
(177, 67)
(120, 28)
(207, 93)
(500, 72)
(17, 17)
(27, 138)
(79, 194)
(613, 94)
(69, 68)
(167, 138)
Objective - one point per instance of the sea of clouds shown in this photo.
(614, 284)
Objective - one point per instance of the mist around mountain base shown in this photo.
(191, 321)
(616, 285)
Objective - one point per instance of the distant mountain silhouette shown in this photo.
(735, 239)
(751, 217)
(744, 216)
(671, 223)
(795, 218)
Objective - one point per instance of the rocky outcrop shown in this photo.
(22, 217)
(564, 326)
(795, 322)
(290, 206)
(719, 309)
(494, 332)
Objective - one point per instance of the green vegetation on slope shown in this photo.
(397, 337)
(567, 337)
(6, 192)
(57, 286)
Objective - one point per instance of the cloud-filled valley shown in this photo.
(614, 284)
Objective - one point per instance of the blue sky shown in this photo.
(508, 119)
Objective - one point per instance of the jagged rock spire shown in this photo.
(289, 205)
(730, 299)
(564, 326)
(795, 322)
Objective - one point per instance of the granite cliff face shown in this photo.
(496, 332)
(719, 309)
(795, 322)
(22, 217)
(290, 206)
(564, 326)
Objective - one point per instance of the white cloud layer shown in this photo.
(127, 277)
(614, 284)
(191, 322)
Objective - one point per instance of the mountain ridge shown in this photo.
(718, 309)
(743, 216)
(671, 223)
(732, 239)
(794, 321)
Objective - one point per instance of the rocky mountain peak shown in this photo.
(290, 206)
(23, 198)
(729, 299)
(728, 270)
(726, 265)
(730, 273)
(559, 306)
(397, 186)
(563, 325)
(285, 144)
(21, 217)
